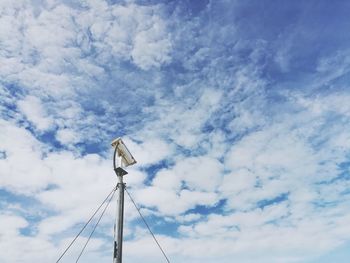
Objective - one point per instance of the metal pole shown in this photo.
(121, 158)
(118, 227)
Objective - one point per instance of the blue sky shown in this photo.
(236, 111)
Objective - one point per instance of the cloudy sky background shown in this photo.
(238, 113)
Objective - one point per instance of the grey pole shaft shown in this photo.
(118, 228)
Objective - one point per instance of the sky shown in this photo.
(237, 112)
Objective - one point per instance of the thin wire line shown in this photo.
(98, 221)
(149, 229)
(114, 189)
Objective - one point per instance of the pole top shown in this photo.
(123, 152)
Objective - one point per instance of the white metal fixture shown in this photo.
(123, 153)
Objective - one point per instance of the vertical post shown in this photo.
(118, 227)
(121, 158)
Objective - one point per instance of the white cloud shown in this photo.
(34, 111)
(136, 33)
(181, 201)
(182, 122)
(68, 59)
(67, 136)
(201, 173)
(238, 181)
(188, 218)
(11, 240)
(152, 47)
(22, 169)
(153, 150)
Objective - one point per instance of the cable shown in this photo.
(149, 229)
(98, 221)
(64, 252)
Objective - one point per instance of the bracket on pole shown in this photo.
(120, 171)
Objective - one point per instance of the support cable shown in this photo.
(93, 230)
(149, 229)
(98, 209)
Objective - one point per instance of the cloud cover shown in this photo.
(238, 118)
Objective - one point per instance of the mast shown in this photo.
(121, 158)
